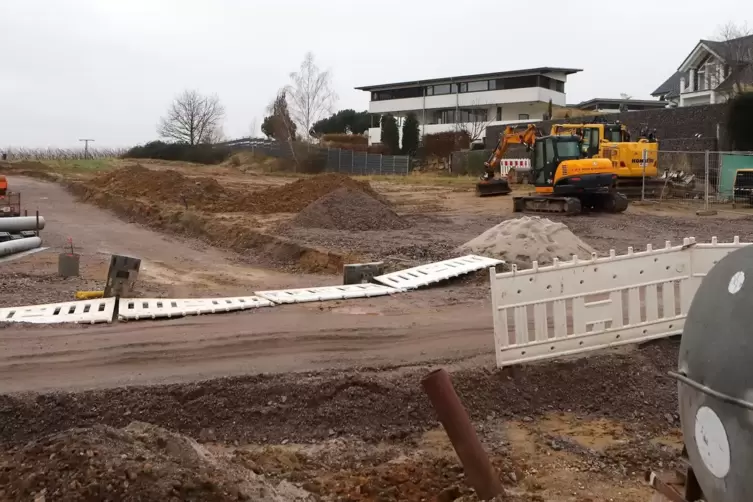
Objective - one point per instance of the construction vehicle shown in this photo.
(10, 202)
(612, 141)
(564, 181)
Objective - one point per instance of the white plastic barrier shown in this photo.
(506, 164)
(153, 308)
(423, 275)
(324, 293)
(82, 312)
(583, 305)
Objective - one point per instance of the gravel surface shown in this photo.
(17, 289)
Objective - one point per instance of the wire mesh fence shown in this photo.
(329, 159)
(705, 180)
(514, 164)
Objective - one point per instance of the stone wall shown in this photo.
(691, 128)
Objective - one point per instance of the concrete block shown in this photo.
(68, 264)
(122, 275)
(710, 212)
(358, 273)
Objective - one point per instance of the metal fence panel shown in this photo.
(335, 159)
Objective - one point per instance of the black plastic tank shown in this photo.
(716, 380)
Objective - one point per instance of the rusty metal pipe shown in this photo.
(478, 469)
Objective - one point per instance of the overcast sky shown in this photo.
(108, 69)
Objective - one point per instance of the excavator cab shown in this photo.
(548, 153)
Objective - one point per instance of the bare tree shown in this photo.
(625, 96)
(738, 52)
(193, 118)
(474, 120)
(253, 127)
(310, 94)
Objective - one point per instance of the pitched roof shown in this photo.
(671, 87)
(730, 50)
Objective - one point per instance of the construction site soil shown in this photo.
(339, 413)
(348, 209)
(206, 194)
(380, 414)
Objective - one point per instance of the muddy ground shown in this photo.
(325, 396)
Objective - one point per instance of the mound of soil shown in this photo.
(139, 462)
(165, 186)
(206, 194)
(528, 239)
(349, 209)
(295, 196)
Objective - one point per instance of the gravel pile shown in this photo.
(528, 239)
(349, 209)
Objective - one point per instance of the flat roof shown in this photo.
(478, 76)
(618, 101)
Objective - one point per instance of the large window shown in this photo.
(441, 89)
(406, 92)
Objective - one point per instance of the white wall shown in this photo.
(528, 94)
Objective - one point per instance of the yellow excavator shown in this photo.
(564, 181)
(612, 141)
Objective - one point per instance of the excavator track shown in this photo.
(547, 204)
(608, 203)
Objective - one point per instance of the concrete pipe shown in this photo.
(19, 223)
(19, 245)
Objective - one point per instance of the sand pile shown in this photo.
(527, 239)
(349, 209)
(139, 462)
(166, 186)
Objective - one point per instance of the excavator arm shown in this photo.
(510, 136)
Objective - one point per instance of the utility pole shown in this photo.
(86, 147)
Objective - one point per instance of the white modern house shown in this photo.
(472, 102)
(709, 72)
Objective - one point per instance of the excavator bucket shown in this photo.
(495, 186)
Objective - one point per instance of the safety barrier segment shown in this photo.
(81, 312)
(423, 275)
(154, 308)
(583, 305)
(319, 294)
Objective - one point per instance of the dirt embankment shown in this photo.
(205, 194)
(169, 201)
(30, 169)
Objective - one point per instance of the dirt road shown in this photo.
(170, 265)
(280, 339)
